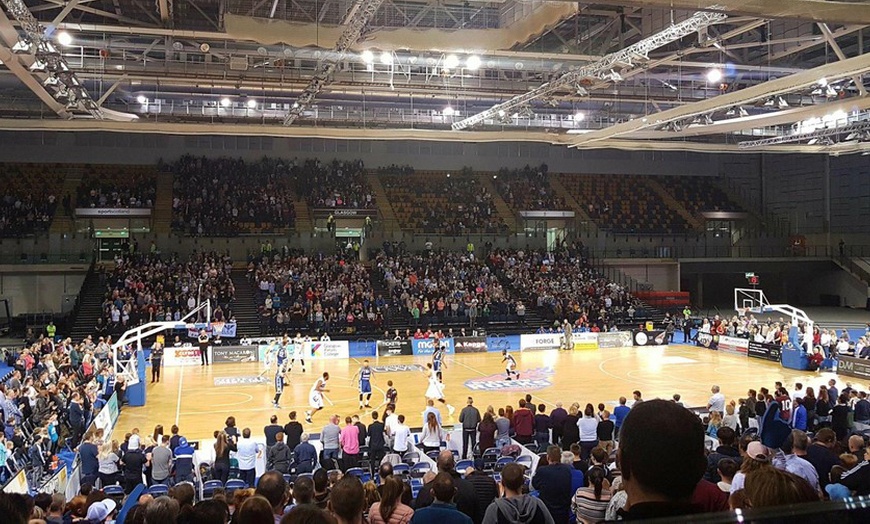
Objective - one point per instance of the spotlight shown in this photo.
(64, 38)
(386, 58)
(367, 57)
(714, 75)
(142, 99)
(51, 81)
(742, 112)
(781, 103)
(579, 116)
(472, 63)
(22, 47)
(251, 103)
(448, 111)
(501, 113)
(823, 81)
(38, 66)
(226, 102)
(451, 61)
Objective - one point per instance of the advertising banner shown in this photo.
(394, 348)
(426, 346)
(618, 339)
(56, 484)
(181, 356)
(221, 329)
(18, 483)
(224, 354)
(469, 344)
(707, 340)
(733, 344)
(327, 349)
(764, 351)
(853, 367)
(585, 340)
(540, 341)
(502, 343)
(649, 338)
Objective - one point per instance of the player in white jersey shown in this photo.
(510, 364)
(435, 391)
(315, 396)
(271, 355)
(298, 351)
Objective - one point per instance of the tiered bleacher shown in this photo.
(106, 186)
(442, 204)
(528, 189)
(335, 184)
(699, 194)
(624, 204)
(228, 196)
(29, 198)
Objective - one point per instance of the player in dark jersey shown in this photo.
(364, 375)
(438, 360)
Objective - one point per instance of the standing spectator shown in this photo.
(134, 462)
(515, 506)
(717, 400)
(401, 436)
(278, 456)
(441, 510)
(330, 438)
(588, 426)
(161, 462)
(619, 414)
(203, 346)
(271, 430)
(524, 423)
(727, 449)
(183, 461)
(377, 443)
(820, 454)
(465, 495)
(557, 419)
(390, 509)
(349, 440)
(605, 432)
(570, 428)
(293, 430)
(553, 482)
(247, 454)
(486, 430)
(89, 452)
(469, 417)
(347, 501)
(503, 428)
(306, 455)
(799, 416)
(222, 448)
(542, 427)
(432, 435)
(485, 490)
(661, 457)
(840, 417)
(109, 460)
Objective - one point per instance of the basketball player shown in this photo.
(280, 378)
(435, 391)
(438, 360)
(365, 383)
(299, 351)
(392, 394)
(510, 364)
(315, 397)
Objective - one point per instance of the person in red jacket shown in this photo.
(524, 423)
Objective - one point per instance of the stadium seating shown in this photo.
(29, 198)
(333, 185)
(528, 189)
(698, 194)
(107, 186)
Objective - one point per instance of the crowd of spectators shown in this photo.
(435, 287)
(528, 189)
(334, 185)
(145, 288)
(117, 187)
(228, 196)
(562, 285)
(299, 291)
(29, 199)
(443, 205)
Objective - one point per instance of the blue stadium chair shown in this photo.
(209, 486)
(501, 462)
(401, 469)
(115, 493)
(419, 469)
(288, 478)
(416, 486)
(233, 485)
(309, 475)
(333, 472)
(463, 465)
(490, 457)
(525, 460)
(359, 473)
(433, 455)
(410, 458)
(496, 477)
(158, 489)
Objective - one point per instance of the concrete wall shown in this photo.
(37, 289)
(852, 291)
(664, 275)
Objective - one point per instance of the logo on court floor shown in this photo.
(239, 381)
(398, 368)
(530, 380)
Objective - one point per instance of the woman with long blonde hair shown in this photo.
(109, 457)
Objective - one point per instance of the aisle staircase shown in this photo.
(501, 207)
(304, 221)
(90, 304)
(244, 306)
(388, 216)
(161, 219)
(573, 204)
(694, 222)
(61, 222)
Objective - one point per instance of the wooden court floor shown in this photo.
(189, 397)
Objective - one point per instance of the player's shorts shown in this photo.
(365, 386)
(436, 366)
(315, 399)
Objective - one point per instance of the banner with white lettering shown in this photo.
(426, 346)
(181, 356)
(614, 339)
(215, 329)
(733, 344)
(540, 341)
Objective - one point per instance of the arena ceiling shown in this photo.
(727, 75)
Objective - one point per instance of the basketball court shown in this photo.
(199, 399)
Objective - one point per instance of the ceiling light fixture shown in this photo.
(64, 38)
(579, 116)
(387, 58)
(142, 99)
(472, 63)
(451, 61)
(714, 75)
(367, 57)
(251, 103)
(226, 102)
(448, 111)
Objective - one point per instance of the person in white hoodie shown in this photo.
(515, 507)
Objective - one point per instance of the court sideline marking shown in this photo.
(178, 403)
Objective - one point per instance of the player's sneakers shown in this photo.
(450, 410)
(368, 406)
(308, 417)
(518, 376)
(275, 405)
(508, 378)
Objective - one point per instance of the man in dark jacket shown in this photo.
(727, 449)
(557, 418)
(376, 441)
(293, 430)
(469, 417)
(278, 455)
(306, 455)
(466, 496)
(484, 487)
(553, 482)
(515, 507)
(271, 430)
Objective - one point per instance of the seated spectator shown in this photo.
(273, 488)
(726, 468)
(727, 449)
(857, 479)
(516, 506)
(485, 489)
(773, 487)
(347, 501)
(441, 510)
(661, 457)
(528, 189)
(589, 504)
(390, 509)
(28, 203)
(255, 510)
(333, 185)
(578, 475)
(117, 187)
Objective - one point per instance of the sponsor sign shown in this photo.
(57, 483)
(181, 356)
(394, 348)
(469, 344)
(540, 341)
(340, 212)
(221, 329)
(240, 381)
(398, 368)
(619, 339)
(221, 354)
(426, 346)
(531, 380)
(764, 351)
(499, 344)
(327, 349)
(585, 340)
(853, 367)
(112, 212)
(18, 483)
(733, 344)
(707, 340)
(649, 338)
